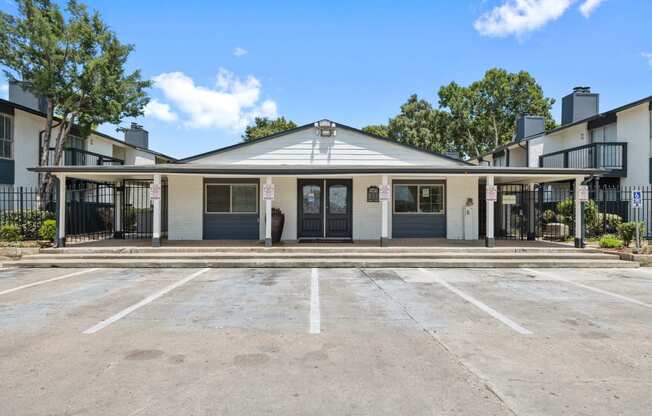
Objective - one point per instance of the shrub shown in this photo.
(627, 231)
(565, 211)
(48, 230)
(29, 222)
(10, 232)
(610, 241)
(549, 216)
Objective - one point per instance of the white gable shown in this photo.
(347, 148)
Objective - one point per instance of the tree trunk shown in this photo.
(64, 129)
(493, 119)
(45, 138)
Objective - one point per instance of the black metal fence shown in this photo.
(611, 156)
(610, 206)
(94, 210)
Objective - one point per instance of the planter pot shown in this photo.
(278, 221)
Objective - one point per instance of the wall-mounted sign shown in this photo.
(509, 199)
(583, 194)
(492, 193)
(385, 192)
(268, 191)
(373, 194)
(425, 192)
(155, 191)
(637, 199)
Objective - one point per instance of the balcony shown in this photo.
(78, 157)
(610, 156)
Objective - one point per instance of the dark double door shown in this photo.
(325, 209)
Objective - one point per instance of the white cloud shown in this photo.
(518, 17)
(4, 90)
(158, 110)
(589, 6)
(238, 51)
(231, 104)
(648, 57)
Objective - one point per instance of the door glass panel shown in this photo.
(337, 199)
(311, 195)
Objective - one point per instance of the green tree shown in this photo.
(418, 124)
(377, 130)
(76, 63)
(264, 127)
(484, 113)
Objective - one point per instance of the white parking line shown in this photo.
(315, 314)
(136, 306)
(587, 287)
(485, 308)
(42, 282)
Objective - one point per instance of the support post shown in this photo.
(268, 216)
(61, 207)
(490, 241)
(531, 213)
(384, 231)
(118, 232)
(156, 217)
(579, 242)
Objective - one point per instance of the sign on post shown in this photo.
(637, 199)
(583, 194)
(492, 193)
(155, 191)
(268, 191)
(385, 192)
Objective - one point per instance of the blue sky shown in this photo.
(218, 64)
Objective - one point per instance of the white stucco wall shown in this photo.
(518, 156)
(26, 133)
(138, 157)
(97, 144)
(634, 128)
(366, 215)
(458, 190)
(185, 211)
(286, 201)
(536, 147)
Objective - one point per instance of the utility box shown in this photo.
(468, 223)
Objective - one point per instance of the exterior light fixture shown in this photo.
(325, 128)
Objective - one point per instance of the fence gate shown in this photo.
(90, 210)
(138, 211)
(545, 211)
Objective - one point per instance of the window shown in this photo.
(419, 199)
(231, 198)
(6, 137)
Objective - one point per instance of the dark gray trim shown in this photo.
(308, 170)
(6, 109)
(608, 118)
(311, 125)
(7, 171)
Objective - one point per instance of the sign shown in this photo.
(385, 192)
(425, 192)
(373, 194)
(492, 193)
(583, 194)
(509, 199)
(155, 191)
(268, 191)
(637, 199)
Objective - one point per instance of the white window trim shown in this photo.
(230, 185)
(12, 141)
(419, 185)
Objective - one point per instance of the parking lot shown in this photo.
(325, 341)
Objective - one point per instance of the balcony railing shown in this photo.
(610, 156)
(79, 157)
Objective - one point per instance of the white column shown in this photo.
(268, 216)
(489, 233)
(61, 202)
(578, 214)
(156, 217)
(384, 233)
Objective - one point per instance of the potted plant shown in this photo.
(278, 221)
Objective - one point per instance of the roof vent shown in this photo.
(325, 128)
